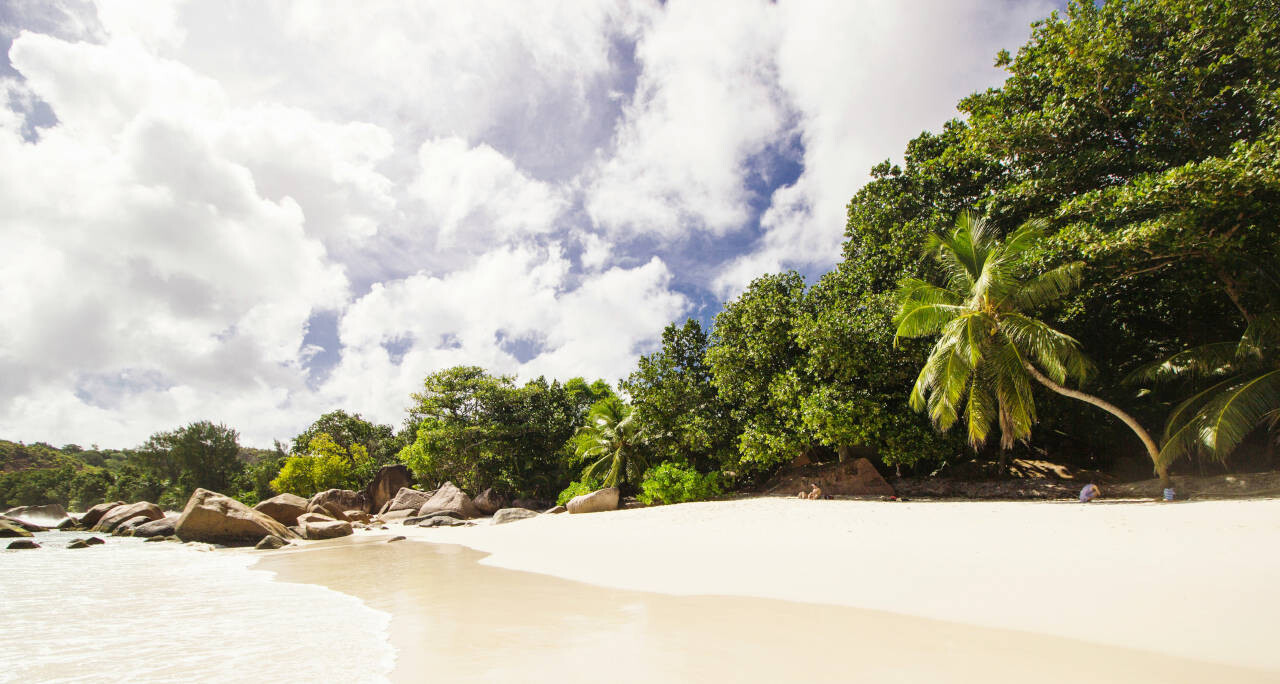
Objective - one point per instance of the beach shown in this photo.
(768, 588)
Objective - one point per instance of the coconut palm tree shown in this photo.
(1243, 394)
(611, 442)
(990, 349)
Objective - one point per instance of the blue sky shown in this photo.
(254, 212)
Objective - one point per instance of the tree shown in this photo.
(758, 369)
(347, 430)
(989, 349)
(610, 443)
(1243, 394)
(676, 405)
(479, 431)
(1145, 132)
(201, 454)
(324, 465)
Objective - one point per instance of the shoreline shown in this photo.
(1134, 580)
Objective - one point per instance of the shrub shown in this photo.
(585, 486)
(672, 483)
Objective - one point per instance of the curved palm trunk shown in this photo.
(1152, 450)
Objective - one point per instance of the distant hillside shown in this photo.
(15, 456)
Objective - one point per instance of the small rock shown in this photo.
(200, 546)
(396, 538)
(12, 529)
(508, 515)
(271, 542)
(438, 514)
(78, 544)
(155, 539)
(326, 530)
(554, 510)
(23, 544)
(94, 541)
(442, 521)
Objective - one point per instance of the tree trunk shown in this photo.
(1152, 450)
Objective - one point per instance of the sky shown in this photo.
(257, 211)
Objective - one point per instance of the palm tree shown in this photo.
(611, 441)
(1244, 394)
(990, 349)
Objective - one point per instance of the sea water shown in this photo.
(130, 611)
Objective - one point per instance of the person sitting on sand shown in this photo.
(814, 493)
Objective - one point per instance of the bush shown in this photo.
(586, 486)
(672, 483)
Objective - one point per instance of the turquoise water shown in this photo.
(130, 611)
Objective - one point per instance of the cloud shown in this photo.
(474, 196)
(257, 212)
(511, 300)
(703, 107)
(866, 77)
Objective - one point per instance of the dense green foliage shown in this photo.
(670, 483)
(325, 464)
(479, 430)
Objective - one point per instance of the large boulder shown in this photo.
(406, 499)
(333, 502)
(48, 515)
(12, 529)
(594, 502)
(119, 514)
(507, 515)
(385, 485)
(93, 515)
(157, 528)
(490, 502)
(284, 508)
(217, 519)
(126, 528)
(324, 529)
(449, 498)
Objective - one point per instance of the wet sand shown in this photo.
(454, 617)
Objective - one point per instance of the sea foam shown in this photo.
(129, 611)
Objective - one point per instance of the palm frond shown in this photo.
(1047, 287)
(1217, 426)
(1205, 361)
(916, 290)
(1056, 352)
(1238, 411)
(1024, 238)
(917, 319)
(1261, 339)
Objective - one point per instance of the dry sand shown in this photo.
(831, 591)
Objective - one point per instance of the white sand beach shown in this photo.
(1120, 591)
